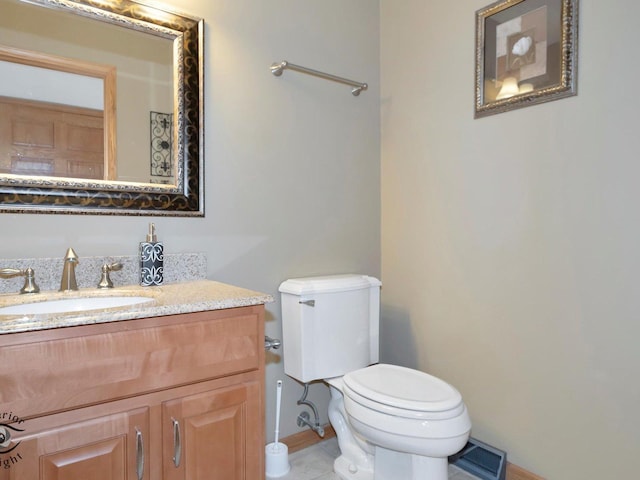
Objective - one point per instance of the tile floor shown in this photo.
(316, 463)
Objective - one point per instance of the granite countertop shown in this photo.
(169, 299)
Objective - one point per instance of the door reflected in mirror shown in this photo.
(57, 116)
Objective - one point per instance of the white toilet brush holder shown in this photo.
(276, 460)
(276, 453)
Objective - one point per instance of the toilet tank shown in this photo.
(330, 325)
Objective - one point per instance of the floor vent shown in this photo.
(481, 460)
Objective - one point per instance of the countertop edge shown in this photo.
(170, 299)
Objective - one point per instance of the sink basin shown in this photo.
(67, 305)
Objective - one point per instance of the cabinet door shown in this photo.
(113, 447)
(215, 435)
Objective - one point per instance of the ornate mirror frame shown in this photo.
(186, 198)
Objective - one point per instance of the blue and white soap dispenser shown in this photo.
(151, 259)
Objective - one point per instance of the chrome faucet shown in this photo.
(29, 275)
(68, 281)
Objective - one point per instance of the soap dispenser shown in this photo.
(151, 259)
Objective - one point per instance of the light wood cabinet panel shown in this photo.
(103, 448)
(206, 435)
(95, 363)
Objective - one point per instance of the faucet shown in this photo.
(105, 280)
(29, 275)
(68, 282)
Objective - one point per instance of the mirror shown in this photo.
(104, 110)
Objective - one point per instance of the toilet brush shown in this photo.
(278, 403)
(276, 453)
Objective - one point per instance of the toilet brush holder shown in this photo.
(277, 454)
(276, 460)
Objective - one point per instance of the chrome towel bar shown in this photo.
(278, 68)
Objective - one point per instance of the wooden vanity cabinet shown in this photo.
(174, 397)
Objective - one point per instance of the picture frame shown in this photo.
(526, 54)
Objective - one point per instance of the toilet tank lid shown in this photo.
(328, 284)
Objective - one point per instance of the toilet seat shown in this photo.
(403, 392)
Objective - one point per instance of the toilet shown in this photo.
(392, 422)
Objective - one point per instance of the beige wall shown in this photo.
(510, 243)
(292, 164)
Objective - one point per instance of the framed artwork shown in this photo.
(526, 53)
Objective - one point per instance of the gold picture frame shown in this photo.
(526, 54)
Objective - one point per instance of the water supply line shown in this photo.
(304, 417)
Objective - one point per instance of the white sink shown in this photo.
(80, 304)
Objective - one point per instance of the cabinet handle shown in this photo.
(139, 454)
(177, 444)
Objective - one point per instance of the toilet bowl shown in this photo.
(392, 422)
(411, 420)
